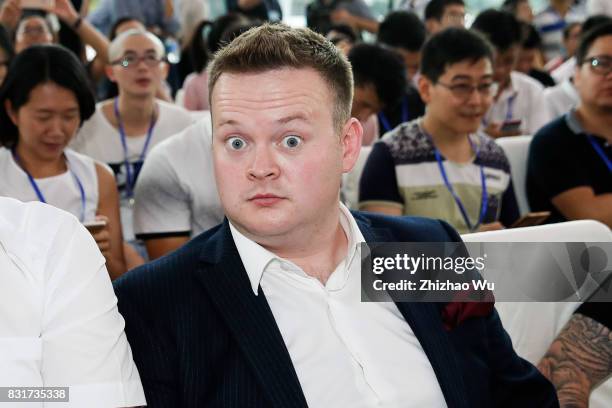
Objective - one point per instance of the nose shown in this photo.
(264, 165)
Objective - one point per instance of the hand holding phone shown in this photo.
(95, 226)
(531, 219)
(511, 127)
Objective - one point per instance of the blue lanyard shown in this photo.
(39, 193)
(385, 122)
(131, 180)
(510, 111)
(484, 201)
(601, 152)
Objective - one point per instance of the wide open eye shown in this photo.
(292, 141)
(236, 143)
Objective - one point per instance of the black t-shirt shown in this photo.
(562, 158)
(409, 108)
(598, 311)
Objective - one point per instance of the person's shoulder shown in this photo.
(407, 228)
(553, 133)
(491, 154)
(194, 140)
(526, 83)
(407, 143)
(30, 229)
(173, 112)
(171, 276)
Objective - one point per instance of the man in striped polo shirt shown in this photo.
(441, 165)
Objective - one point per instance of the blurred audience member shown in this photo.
(599, 7)
(176, 195)
(123, 129)
(570, 160)
(342, 36)
(520, 8)
(562, 67)
(530, 56)
(441, 14)
(415, 6)
(518, 107)
(551, 22)
(405, 33)
(44, 100)
(6, 54)
(441, 165)
(156, 15)
(263, 10)
(321, 14)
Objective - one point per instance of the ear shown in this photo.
(110, 73)
(164, 68)
(424, 86)
(350, 139)
(432, 26)
(14, 116)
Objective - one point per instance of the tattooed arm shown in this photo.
(578, 360)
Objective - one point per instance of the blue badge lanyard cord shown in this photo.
(39, 193)
(484, 198)
(130, 179)
(601, 152)
(405, 114)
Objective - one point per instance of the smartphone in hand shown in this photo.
(531, 219)
(95, 226)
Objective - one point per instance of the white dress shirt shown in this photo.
(59, 323)
(346, 353)
(522, 100)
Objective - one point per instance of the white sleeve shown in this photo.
(162, 204)
(597, 7)
(539, 114)
(83, 339)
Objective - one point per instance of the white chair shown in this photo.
(517, 148)
(350, 181)
(532, 326)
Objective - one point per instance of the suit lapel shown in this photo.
(425, 321)
(250, 320)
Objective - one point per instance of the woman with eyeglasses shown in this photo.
(43, 101)
(124, 129)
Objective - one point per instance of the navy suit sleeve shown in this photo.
(514, 382)
(509, 207)
(151, 348)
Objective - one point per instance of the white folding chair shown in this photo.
(517, 149)
(532, 326)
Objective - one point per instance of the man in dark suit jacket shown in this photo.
(264, 310)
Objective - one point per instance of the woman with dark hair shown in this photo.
(6, 54)
(43, 102)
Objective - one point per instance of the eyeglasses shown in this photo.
(131, 61)
(464, 91)
(601, 64)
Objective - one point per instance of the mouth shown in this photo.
(53, 145)
(265, 200)
(143, 81)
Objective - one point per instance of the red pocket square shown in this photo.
(456, 312)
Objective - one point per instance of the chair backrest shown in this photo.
(517, 148)
(533, 326)
(350, 181)
(179, 98)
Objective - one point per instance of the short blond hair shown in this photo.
(275, 46)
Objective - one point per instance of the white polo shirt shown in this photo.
(176, 193)
(523, 99)
(363, 354)
(561, 98)
(59, 323)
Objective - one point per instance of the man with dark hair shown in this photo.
(551, 21)
(518, 107)
(441, 14)
(441, 165)
(530, 53)
(321, 14)
(406, 33)
(379, 77)
(570, 160)
(264, 310)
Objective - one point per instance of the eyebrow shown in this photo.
(467, 77)
(283, 120)
(150, 50)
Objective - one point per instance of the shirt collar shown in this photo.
(256, 258)
(573, 123)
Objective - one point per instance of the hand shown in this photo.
(494, 130)
(341, 16)
(492, 226)
(65, 11)
(102, 237)
(10, 13)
